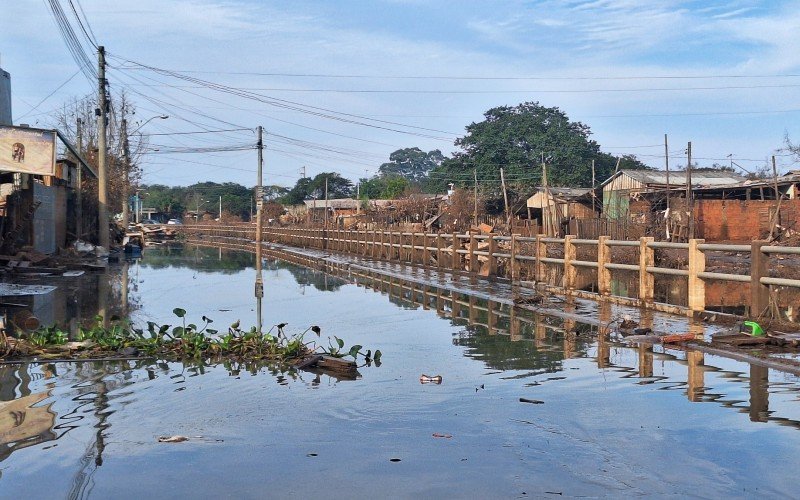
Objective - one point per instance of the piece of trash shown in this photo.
(394, 460)
(439, 435)
(642, 331)
(752, 328)
(172, 439)
(427, 379)
(532, 401)
(678, 337)
(628, 323)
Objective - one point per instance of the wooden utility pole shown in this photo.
(689, 192)
(126, 174)
(259, 288)
(325, 219)
(102, 169)
(79, 190)
(594, 195)
(475, 196)
(666, 164)
(778, 197)
(505, 198)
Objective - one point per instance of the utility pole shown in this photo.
(102, 169)
(358, 198)
(689, 193)
(126, 175)
(594, 195)
(220, 209)
(79, 190)
(259, 288)
(325, 219)
(666, 164)
(505, 198)
(475, 195)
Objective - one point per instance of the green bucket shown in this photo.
(753, 328)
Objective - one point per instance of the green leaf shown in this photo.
(340, 342)
(377, 356)
(177, 331)
(354, 351)
(179, 312)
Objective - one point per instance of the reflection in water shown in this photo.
(99, 403)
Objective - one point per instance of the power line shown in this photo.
(34, 108)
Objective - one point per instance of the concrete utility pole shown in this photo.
(79, 190)
(220, 208)
(102, 169)
(666, 164)
(259, 289)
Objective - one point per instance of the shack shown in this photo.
(627, 186)
(554, 207)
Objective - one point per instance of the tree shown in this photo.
(306, 187)
(411, 163)
(384, 188)
(518, 139)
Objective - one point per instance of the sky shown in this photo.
(339, 85)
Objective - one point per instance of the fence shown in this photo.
(521, 258)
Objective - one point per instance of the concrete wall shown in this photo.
(742, 221)
(5, 98)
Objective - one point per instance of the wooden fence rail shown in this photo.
(520, 258)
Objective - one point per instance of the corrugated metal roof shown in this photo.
(659, 177)
(339, 203)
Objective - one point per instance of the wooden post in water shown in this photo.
(473, 245)
(439, 245)
(541, 252)
(492, 256)
(646, 279)
(426, 255)
(759, 293)
(455, 257)
(513, 264)
(697, 287)
(570, 255)
(603, 273)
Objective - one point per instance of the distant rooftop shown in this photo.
(699, 178)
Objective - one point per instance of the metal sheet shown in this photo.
(15, 290)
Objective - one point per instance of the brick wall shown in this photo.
(740, 220)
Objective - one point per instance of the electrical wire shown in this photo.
(34, 108)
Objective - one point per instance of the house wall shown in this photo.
(742, 220)
(616, 196)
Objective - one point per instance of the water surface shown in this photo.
(612, 421)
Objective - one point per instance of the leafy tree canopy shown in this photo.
(518, 139)
(411, 163)
(384, 188)
(306, 187)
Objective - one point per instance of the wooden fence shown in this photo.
(520, 258)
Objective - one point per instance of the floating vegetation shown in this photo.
(182, 342)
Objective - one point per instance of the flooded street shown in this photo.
(529, 407)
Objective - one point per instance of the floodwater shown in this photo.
(605, 420)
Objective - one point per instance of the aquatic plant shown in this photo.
(179, 342)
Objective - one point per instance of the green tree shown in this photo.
(411, 163)
(305, 188)
(518, 139)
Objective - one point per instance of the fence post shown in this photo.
(455, 257)
(603, 258)
(541, 252)
(570, 255)
(426, 254)
(513, 264)
(492, 257)
(382, 248)
(439, 245)
(697, 287)
(646, 280)
(473, 245)
(759, 294)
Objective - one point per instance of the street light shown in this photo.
(126, 187)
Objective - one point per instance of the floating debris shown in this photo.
(427, 379)
(531, 401)
(172, 439)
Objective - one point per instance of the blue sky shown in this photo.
(611, 64)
